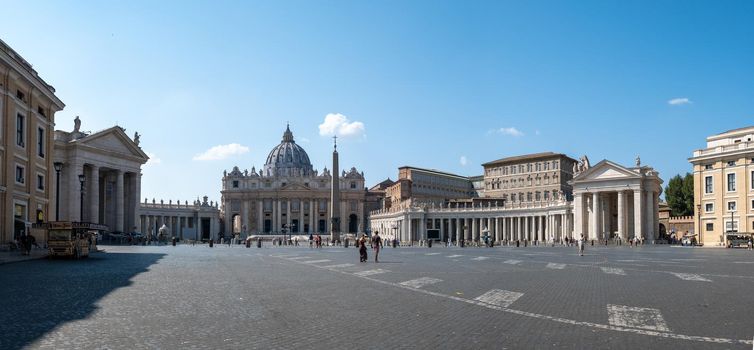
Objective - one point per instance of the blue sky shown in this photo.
(445, 85)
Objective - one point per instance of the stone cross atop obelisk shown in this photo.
(335, 194)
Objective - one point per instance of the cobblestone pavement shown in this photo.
(196, 297)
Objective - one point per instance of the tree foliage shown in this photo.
(679, 194)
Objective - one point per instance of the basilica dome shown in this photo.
(288, 158)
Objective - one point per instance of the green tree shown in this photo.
(679, 194)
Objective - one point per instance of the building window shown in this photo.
(708, 184)
(752, 180)
(752, 204)
(20, 174)
(537, 196)
(40, 182)
(731, 182)
(353, 185)
(555, 165)
(731, 226)
(41, 111)
(235, 183)
(732, 163)
(547, 195)
(306, 184)
(41, 142)
(267, 184)
(710, 226)
(528, 196)
(707, 166)
(709, 207)
(732, 206)
(20, 130)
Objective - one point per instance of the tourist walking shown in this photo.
(362, 244)
(582, 242)
(751, 243)
(376, 245)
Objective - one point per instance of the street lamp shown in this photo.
(58, 168)
(82, 178)
(699, 227)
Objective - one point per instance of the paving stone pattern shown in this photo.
(299, 298)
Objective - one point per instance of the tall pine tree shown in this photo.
(679, 194)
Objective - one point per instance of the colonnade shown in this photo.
(110, 196)
(620, 214)
(473, 227)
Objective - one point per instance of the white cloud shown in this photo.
(338, 124)
(537, 133)
(511, 131)
(222, 151)
(153, 159)
(679, 101)
(464, 161)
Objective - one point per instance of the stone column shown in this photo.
(511, 228)
(94, 195)
(621, 215)
(458, 229)
(474, 230)
(300, 227)
(119, 201)
(244, 216)
(498, 230)
(541, 228)
(278, 208)
(649, 206)
(656, 213)
(466, 229)
(578, 215)
(288, 214)
(595, 219)
(260, 216)
(638, 213)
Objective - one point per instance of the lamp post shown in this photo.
(699, 227)
(82, 178)
(58, 168)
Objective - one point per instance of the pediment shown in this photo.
(295, 187)
(606, 170)
(113, 140)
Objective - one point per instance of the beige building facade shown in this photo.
(421, 185)
(288, 191)
(535, 177)
(724, 185)
(27, 119)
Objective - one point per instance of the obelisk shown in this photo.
(335, 195)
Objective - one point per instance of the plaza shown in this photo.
(196, 297)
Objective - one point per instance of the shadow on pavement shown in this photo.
(39, 295)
